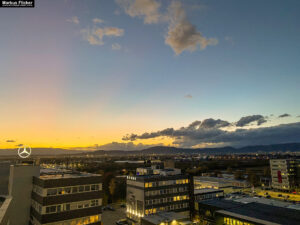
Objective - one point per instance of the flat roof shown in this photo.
(57, 173)
(164, 216)
(267, 201)
(258, 211)
(220, 203)
(206, 190)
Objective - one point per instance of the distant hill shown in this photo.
(40, 151)
(165, 150)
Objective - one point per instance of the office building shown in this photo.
(285, 174)
(154, 190)
(207, 193)
(218, 183)
(37, 197)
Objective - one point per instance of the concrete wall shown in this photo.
(4, 177)
(20, 188)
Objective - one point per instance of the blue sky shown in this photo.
(250, 67)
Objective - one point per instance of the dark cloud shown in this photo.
(212, 123)
(284, 115)
(246, 120)
(171, 132)
(12, 141)
(212, 132)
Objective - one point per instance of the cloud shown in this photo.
(146, 9)
(188, 96)
(214, 132)
(97, 20)
(95, 35)
(249, 119)
(129, 146)
(284, 115)
(74, 20)
(10, 141)
(171, 132)
(116, 46)
(182, 35)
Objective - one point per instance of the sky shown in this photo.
(104, 74)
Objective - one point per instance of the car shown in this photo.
(123, 206)
(122, 222)
(109, 207)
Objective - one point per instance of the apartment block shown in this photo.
(285, 174)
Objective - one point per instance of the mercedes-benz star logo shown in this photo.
(24, 151)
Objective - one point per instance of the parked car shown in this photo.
(123, 205)
(122, 222)
(109, 207)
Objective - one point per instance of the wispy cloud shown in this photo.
(188, 96)
(95, 35)
(73, 19)
(97, 20)
(116, 46)
(11, 141)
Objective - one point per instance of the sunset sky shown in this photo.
(117, 74)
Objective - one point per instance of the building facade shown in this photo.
(67, 199)
(285, 174)
(155, 190)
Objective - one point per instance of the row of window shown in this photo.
(231, 221)
(66, 190)
(81, 221)
(166, 191)
(166, 208)
(166, 183)
(165, 200)
(65, 206)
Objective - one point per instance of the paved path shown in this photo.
(110, 217)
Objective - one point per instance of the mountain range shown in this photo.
(289, 147)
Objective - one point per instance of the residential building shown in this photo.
(285, 174)
(154, 190)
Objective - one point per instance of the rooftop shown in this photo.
(267, 201)
(257, 211)
(221, 203)
(47, 174)
(165, 217)
(206, 190)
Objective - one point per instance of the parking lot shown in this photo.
(110, 217)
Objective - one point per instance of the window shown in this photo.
(74, 190)
(52, 191)
(81, 188)
(67, 207)
(67, 190)
(87, 188)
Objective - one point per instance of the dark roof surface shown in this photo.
(269, 213)
(220, 203)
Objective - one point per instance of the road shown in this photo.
(110, 217)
